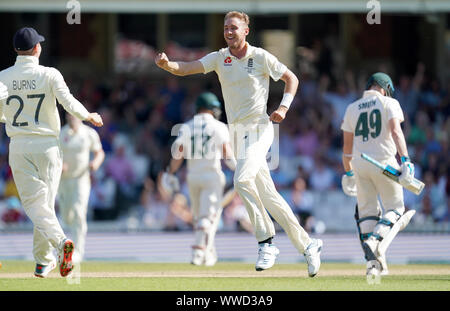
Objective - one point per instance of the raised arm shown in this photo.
(178, 68)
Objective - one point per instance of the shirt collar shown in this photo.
(205, 114)
(247, 53)
(370, 93)
(27, 59)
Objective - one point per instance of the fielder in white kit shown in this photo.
(203, 141)
(32, 122)
(244, 72)
(371, 125)
(78, 141)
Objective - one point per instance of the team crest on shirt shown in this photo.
(227, 61)
(249, 67)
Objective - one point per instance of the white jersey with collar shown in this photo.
(30, 108)
(202, 138)
(368, 120)
(245, 81)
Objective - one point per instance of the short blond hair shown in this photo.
(241, 15)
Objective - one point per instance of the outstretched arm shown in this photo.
(178, 68)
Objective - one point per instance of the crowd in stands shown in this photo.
(139, 114)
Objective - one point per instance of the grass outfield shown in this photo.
(224, 276)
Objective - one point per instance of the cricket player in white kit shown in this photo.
(244, 72)
(32, 122)
(203, 141)
(371, 125)
(78, 141)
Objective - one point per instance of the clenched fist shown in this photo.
(161, 60)
(279, 114)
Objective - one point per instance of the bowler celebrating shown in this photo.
(244, 72)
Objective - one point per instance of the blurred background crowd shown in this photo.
(139, 113)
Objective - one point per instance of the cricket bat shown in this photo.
(415, 187)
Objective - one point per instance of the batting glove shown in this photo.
(170, 183)
(407, 175)
(349, 184)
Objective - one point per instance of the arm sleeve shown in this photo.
(223, 134)
(394, 110)
(273, 66)
(64, 97)
(209, 62)
(96, 144)
(346, 126)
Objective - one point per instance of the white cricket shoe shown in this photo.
(312, 256)
(198, 257)
(267, 254)
(42, 271)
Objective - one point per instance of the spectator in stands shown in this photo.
(302, 202)
(322, 178)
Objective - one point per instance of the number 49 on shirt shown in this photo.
(368, 124)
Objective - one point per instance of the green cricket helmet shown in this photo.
(209, 101)
(384, 81)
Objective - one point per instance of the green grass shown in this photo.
(118, 276)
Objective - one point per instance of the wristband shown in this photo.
(405, 159)
(287, 100)
(349, 173)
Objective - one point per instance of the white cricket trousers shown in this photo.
(36, 165)
(73, 201)
(371, 183)
(206, 193)
(254, 184)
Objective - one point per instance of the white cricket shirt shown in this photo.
(245, 81)
(202, 138)
(76, 148)
(30, 108)
(368, 119)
